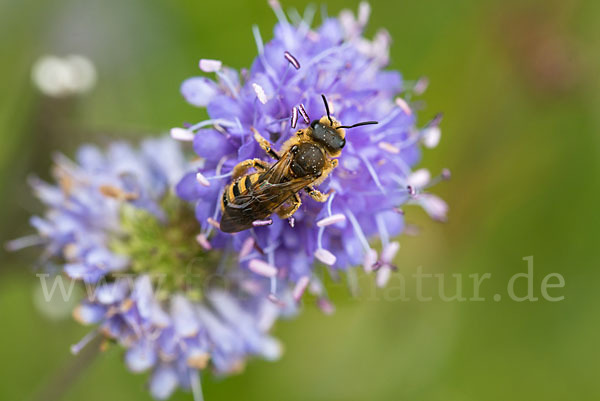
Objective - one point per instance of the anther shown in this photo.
(291, 59)
(294, 119)
(260, 93)
(303, 113)
(203, 241)
(202, 179)
(260, 223)
(403, 105)
(182, 134)
(208, 65)
(262, 268)
(213, 223)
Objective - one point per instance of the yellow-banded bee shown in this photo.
(306, 160)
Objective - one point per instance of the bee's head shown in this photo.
(326, 134)
(329, 133)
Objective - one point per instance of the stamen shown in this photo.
(258, 39)
(383, 232)
(76, 348)
(373, 173)
(213, 223)
(389, 252)
(24, 242)
(182, 134)
(436, 120)
(364, 11)
(369, 260)
(446, 174)
(419, 178)
(315, 60)
(300, 287)
(273, 298)
(383, 276)
(303, 113)
(388, 147)
(203, 241)
(325, 256)
(294, 119)
(291, 59)
(320, 237)
(358, 231)
(218, 177)
(329, 203)
(325, 306)
(421, 85)
(262, 268)
(215, 121)
(208, 65)
(261, 50)
(292, 221)
(247, 247)
(327, 221)
(196, 384)
(403, 105)
(260, 93)
(202, 179)
(260, 223)
(227, 81)
(411, 190)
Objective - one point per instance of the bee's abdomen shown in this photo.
(238, 187)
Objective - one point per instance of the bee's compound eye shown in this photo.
(342, 143)
(314, 123)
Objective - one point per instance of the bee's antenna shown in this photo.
(327, 108)
(359, 124)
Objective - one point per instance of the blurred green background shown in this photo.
(518, 84)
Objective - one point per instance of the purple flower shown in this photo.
(176, 338)
(113, 222)
(281, 93)
(84, 208)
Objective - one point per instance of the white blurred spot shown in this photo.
(182, 134)
(431, 137)
(208, 65)
(58, 77)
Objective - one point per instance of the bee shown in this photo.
(306, 159)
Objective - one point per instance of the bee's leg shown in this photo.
(241, 168)
(266, 145)
(285, 212)
(317, 195)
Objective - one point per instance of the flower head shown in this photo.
(280, 94)
(112, 222)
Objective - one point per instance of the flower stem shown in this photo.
(56, 387)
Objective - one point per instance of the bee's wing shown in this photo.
(262, 198)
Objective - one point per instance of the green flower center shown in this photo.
(166, 250)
